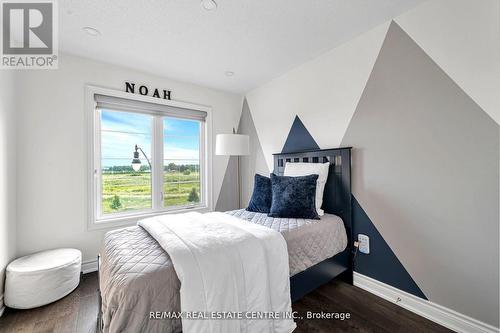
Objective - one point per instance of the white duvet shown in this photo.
(227, 267)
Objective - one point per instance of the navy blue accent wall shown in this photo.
(299, 138)
(381, 264)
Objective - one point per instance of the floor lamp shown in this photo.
(233, 145)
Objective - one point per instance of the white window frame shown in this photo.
(93, 133)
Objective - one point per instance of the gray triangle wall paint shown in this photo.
(425, 170)
(228, 199)
(253, 163)
(249, 166)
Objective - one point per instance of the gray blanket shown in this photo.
(137, 278)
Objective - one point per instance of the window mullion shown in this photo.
(97, 172)
(157, 162)
(202, 165)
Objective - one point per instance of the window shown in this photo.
(124, 189)
(181, 162)
(147, 158)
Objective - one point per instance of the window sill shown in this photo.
(130, 220)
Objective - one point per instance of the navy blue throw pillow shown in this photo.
(294, 197)
(261, 196)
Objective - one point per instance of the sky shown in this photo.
(121, 131)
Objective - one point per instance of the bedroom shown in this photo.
(130, 124)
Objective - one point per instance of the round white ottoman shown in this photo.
(42, 278)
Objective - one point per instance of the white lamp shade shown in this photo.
(232, 144)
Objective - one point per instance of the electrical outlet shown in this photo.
(364, 243)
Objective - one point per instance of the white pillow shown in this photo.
(305, 169)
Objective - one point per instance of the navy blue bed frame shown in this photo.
(336, 200)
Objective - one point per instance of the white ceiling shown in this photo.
(257, 40)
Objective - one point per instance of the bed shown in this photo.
(137, 276)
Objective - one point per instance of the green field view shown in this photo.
(132, 190)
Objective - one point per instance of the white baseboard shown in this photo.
(89, 266)
(439, 314)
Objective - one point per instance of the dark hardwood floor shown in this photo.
(368, 312)
(77, 312)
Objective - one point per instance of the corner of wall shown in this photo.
(8, 121)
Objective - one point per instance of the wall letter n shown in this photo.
(129, 87)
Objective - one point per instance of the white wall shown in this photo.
(323, 92)
(7, 174)
(52, 148)
(462, 37)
